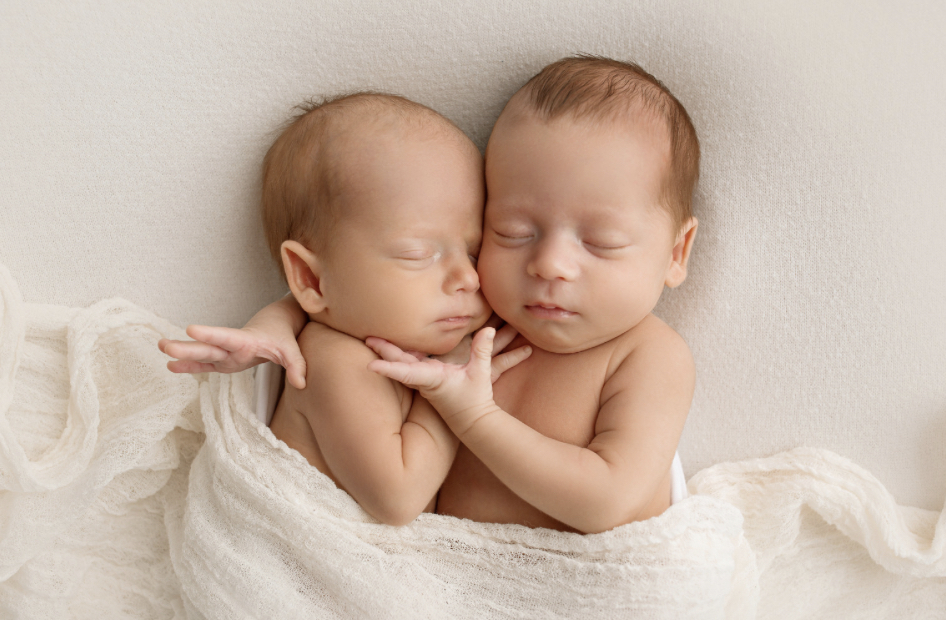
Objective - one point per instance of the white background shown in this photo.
(131, 136)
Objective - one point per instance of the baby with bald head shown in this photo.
(361, 195)
(372, 205)
(590, 171)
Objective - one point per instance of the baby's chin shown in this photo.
(561, 344)
(438, 344)
(448, 342)
(429, 346)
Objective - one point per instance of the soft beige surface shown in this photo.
(132, 132)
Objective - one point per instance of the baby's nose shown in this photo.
(463, 277)
(553, 260)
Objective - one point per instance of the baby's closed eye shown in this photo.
(605, 244)
(418, 257)
(512, 235)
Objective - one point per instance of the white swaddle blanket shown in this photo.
(289, 534)
(128, 491)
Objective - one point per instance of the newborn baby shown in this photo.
(373, 206)
(590, 172)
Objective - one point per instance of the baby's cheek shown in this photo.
(484, 314)
(493, 267)
(490, 291)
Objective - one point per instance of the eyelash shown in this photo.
(513, 237)
(418, 259)
(605, 247)
(602, 248)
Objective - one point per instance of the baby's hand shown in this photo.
(224, 349)
(462, 394)
(461, 353)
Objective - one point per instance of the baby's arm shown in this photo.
(595, 488)
(269, 336)
(390, 464)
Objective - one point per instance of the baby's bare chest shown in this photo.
(557, 395)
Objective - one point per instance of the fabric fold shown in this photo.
(127, 490)
(263, 534)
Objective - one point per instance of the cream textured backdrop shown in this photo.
(131, 135)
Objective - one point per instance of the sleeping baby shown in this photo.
(373, 206)
(590, 172)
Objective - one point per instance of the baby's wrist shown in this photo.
(462, 422)
(267, 329)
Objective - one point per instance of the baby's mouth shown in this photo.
(456, 320)
(549, 311)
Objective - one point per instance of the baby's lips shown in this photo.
(550, 311)
(457, 319)
(548, 305)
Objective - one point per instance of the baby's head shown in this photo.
(372, 205)
(590, 172)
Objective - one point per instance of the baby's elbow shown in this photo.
(396, 501)
(396, 519)
(599, 524)
(396, 513)
(611, 515)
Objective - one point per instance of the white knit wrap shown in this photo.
(128, 491)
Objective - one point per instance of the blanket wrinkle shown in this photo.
(904, 540)
(127, 490)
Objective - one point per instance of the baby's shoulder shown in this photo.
(329, 351)
(651, 343)
(337, 369)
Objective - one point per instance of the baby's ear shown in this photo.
(677, 272)
(303, 273)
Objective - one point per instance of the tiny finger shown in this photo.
(189, 367)
(389, 351)
(404, 373)
(164, 343)
(194, 351)
(295, 373)
(483, 344)
(504, 337)
(227, 338)
(505, 361)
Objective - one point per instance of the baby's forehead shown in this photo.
(409, 178)
(525, 139)
(578, 165)
(614, 121)
(351, 146)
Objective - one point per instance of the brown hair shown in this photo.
(302, 179)
(592, 87)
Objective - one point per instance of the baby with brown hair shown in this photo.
(372, 205)
(590, 171)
